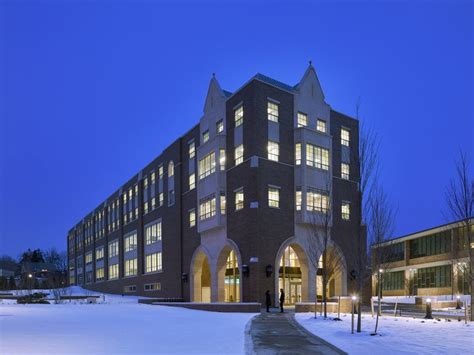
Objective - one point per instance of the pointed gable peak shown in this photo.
(310, 83)
(214, 94)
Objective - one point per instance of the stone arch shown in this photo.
(232, 292)
(307, 271)
(338, 282)
(201, 276)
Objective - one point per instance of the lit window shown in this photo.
(205, 136)
(113, 271)
(298, 199)
(298, 153)
(316, 201)
(239, 200)
(153, 262)
(317, 157)
(153, 233)
(160, 171)
(321, 126)
(156, 286)
(207, 208)
(131, 267)
(345, 139)
(345, 171)
(192, 218)
(220, 126)
(99, 253)
(89, 258)
(192, 181)
(99, 274)
(113, 249)
(239, 154)
(223, 203)
(222, 159)
(346, 210)
(192, 149)
(161, 197)
(239, 116)
(274, 197)
(273, 150)
(272, 111)
(130, 242)
(302, 119)
(170, 169)
(207, 165)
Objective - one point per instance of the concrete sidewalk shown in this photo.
(279, 333)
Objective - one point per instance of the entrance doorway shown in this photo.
(232, 279)
(290, 276)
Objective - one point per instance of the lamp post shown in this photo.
(354, 298)
(458, 302)
(428, 309)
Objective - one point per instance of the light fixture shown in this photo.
(269, 270)
(428, 300)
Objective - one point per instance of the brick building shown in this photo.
(226, 211)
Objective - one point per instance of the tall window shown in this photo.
(273, 150)
(302, 119)
(345, 138)
(131, 267)
(321, 125)
(222, 159)
(99, 274)
(153, 262)
(298, 199)
(345, 210)
(161, 198)
(171, 198)
(113, 271)
(220, 126)
(205, 136)
(272, 111)
(99, 253)
(345, 171)
(239, 154)
(239, 116)
(207, 165)
(170, 169)
(298, 153)
(239, 199)
(274, 197)
(113, 249)
(223, 203)
(89, 258)
(317, 157)
(431, 277)
(130, 242)
(161, 170)
(192, 181)
(153, 233)
(192, 149)
(192, 218)
(207, 207)
(316, 201)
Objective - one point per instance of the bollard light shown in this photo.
(458, 302)
(428, 309)
(30, 276)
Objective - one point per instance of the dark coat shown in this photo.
(268, 299)
(282, 297)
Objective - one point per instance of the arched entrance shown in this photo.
(335, 272)
(229, 274)
(201, 278)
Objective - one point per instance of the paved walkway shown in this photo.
(279, 333)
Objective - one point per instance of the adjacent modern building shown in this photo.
(228, 210)
(427, 263)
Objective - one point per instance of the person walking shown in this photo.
(282, 299)
(268, 300)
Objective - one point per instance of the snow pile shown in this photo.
(118, 326)
(396, 335)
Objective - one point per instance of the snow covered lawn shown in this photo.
(118, 326)
(397, 335)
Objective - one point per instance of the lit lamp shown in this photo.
(354, 299)
(30, 276)
(458, 302)
(428, 309)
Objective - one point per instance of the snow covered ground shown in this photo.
(118, 326)
(397, 335)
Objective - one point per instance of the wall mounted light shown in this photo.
(184, 277)
(269, 270)
(245, 270)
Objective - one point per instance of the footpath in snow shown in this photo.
(118, 326)
(397, 335)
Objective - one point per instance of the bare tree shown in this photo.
(460, 206)
(380, 229)
(57, 277)
(320, 244)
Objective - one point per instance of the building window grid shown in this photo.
(346, 210)
(298, 153)
(207, 208)
(130, 242)
(273, 149)
(302, 119)
(431, 277)
(220, 126)
(321, 126)
(393, 281)
(239, 116)
(317, 201)
(153, 262)
(207, 165)
(239, 154)
(272, 111)
(131, 267)
(153, 233)
(113, 271)
(239, 199)
(113, 249)
(345, 137)
(345, 171)
(317, 157)
(274, 197)
(433, 244)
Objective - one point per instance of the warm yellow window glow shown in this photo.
(345, 171)
(321, 126)
(239, 154)
(239, 116)
(346, 211)
(207, 208)
(272, 111)
(345, 138)
(316, 201)
(298, 153)
(207, 165)
(317, 157)
(302, 119)
(273, 197)
(273, 150)
(131, 267)
(239, 200)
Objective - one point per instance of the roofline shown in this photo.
(419, 234)
(260, 80)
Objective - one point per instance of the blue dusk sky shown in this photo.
(92, 91)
